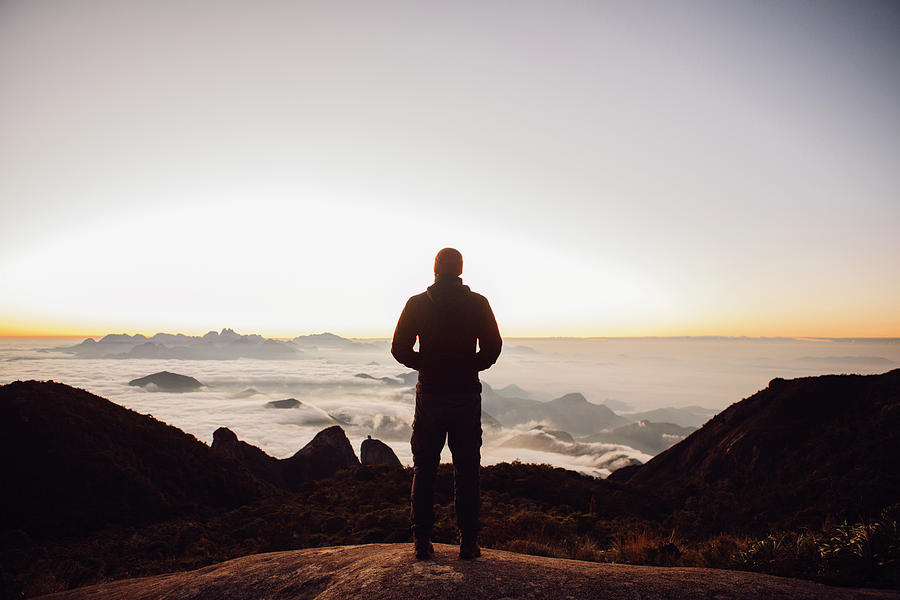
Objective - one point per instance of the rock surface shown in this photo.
(376, 452)
(328, 452)
(389, 571)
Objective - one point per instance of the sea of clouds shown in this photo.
(629, 375)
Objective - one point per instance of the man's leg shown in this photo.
(427, 442)
(464, 438)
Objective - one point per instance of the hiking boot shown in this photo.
(424, 549)
(468, 548)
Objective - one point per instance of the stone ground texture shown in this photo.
(390, 572)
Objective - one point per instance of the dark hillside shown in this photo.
(75, 462)
(799, 453)
(95, 492)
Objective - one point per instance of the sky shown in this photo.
(606, 168)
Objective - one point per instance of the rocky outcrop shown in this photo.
(389, 571)
(376, 452)
(387, 380)
(328, 452)
(286, 403)
(164, 381)
(259, 463)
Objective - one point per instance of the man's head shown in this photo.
(448, 262)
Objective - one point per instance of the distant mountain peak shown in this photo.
(572, 398)
(223, 345)
(323, 339)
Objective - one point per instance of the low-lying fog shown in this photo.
(659, 389)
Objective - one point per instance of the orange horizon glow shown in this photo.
(50, 331)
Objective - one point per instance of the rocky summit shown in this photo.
(390, 572)
(328, 452)
(376, 452)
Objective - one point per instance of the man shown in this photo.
(448, 319)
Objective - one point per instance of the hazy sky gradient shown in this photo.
(622, 168)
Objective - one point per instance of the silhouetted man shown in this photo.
(448, 319)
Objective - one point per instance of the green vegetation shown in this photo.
(864, 553)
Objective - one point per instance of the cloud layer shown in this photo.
(642, 374)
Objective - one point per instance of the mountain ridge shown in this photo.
(824, 447)
(187, 504)
(65, 436)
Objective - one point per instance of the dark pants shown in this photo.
(456, 417)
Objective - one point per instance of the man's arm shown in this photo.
(405, 339)
(489, 342)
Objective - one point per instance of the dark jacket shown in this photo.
(448, 319)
